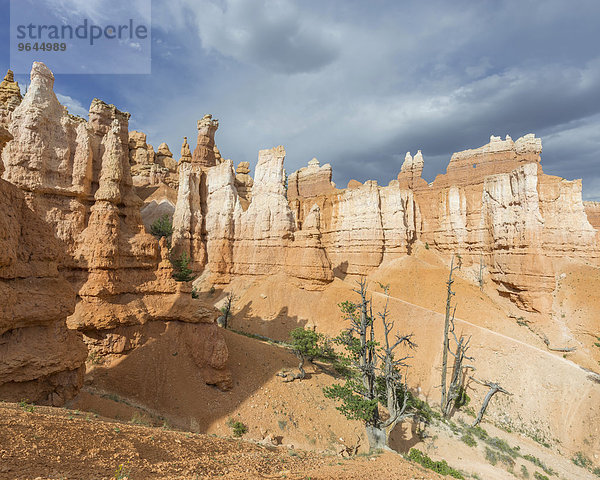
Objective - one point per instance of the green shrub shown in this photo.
(469, 440)
(539, 476)
(162, 227)
(491, 456)
(502, 446)
(441, 466)
(581, 460)
(195, 293)
(538, 463)
(463, 399)
(27, 407)
(524, 471)
(238, 428)
(479, 432)
(181, 266)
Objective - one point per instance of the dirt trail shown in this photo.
(487, 330)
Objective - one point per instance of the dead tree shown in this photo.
(457, 382)
(481, 268)
(223, 320)
(493, 389)
(391, 366)
(446, 340)
(377, 378)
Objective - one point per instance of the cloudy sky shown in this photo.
(359, 83)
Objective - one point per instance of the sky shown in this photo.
(357, 84)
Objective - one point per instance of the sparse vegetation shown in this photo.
(582, 460)
(181, 268)
(469, 440)
(195, 293)
(440, 467)
(524, 472)
(223, 320)
(375, 369)
(538, 463)
(122, 472)
(539, 476)
(238, 428)
(27, 407)
(490, 456)
(308, 345)
(162, 227)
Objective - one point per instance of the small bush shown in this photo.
(122, 472)
(27, 407)
(581, 460)
(491, 456)
(539, 476)
(441, 466)
(426, 246)
(195, 293)
(538, 463)
(238, 428)
(181, 266)
(162, 227)
(469, 440)
(479, 432)
(524, 471)
(502, 446)
(463, 399)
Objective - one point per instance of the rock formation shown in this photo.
(10, 93)
(226, 238)
(205, 152)
(76, 175)
(150, 168)
(243, 184)
(494, 203)
(310, 181)
(41, 360)
(592, 210)
(164, 158)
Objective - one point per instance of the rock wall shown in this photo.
(226, 240)
(148, 167)
(592, 210)
(494, 203)
(76, 176)
(41, 360)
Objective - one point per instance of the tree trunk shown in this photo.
(377, 438)
(445, 345)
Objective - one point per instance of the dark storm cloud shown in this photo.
(357, 84)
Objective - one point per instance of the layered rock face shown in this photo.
(41, 360)
(494, 204)
(361, 225)
(206, 152)
(10, 93)
(243, 184)
(592, 210)
(226, 238)
(148, 167)
(76, 175)
(310, 181)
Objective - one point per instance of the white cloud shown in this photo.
(73, 106)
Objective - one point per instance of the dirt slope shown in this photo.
(55, 443)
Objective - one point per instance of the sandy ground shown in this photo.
(158, 384)
(51, 443)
